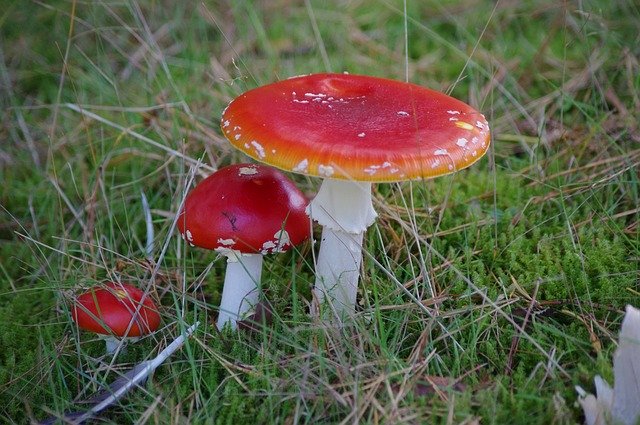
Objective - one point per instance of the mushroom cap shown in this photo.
(356, 127)
(110, 308)
(247, 208)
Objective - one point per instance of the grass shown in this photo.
(521, 264)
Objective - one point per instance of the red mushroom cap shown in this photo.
(248, 208)
(109, 309)
(356, 127)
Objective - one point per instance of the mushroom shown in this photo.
(116, 310)
(244, 211)
(353, 130)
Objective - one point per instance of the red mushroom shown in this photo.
(353, 130)
(242, 212)
(117, 311)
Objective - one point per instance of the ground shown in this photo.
(487, 295)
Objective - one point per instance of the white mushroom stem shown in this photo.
(241, 292)
(112, 343)
(338, 269)
(345, 211)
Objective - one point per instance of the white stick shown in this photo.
(241, 288)
(131, 379)
(150, 367)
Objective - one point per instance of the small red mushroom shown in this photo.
(244, 211)
(117, 310)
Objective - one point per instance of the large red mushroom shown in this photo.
(353, 130)
(244, 211)
(116, 310)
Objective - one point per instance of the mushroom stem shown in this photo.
(338, 269)
(345, 211)
(112, 343)
(240, 292)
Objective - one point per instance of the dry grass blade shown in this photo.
(138, 136)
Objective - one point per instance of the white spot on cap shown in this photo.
(371, 170)
(259, 149)
(361, 134)
(233, 255)
(267, 247)
(300, 101)
(282, 237)
(403, 113)
(325, 170)
(247, 171)
(435, 163)
(189, 236)
(226, 124)
(474, 140)
(453, 112)
(246, 145)
(450, 167)
(226, 242)
(462, 142)
(236, 127)
(480, 125)
(440, 152)
(280, 240)
(302, 166)
(453, 119)
(237, 136)
(315, 95)
(474, 153)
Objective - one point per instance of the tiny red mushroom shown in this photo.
(353, 130)
(244, 211)
(117, 310)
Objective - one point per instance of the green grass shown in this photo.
(545, 227)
